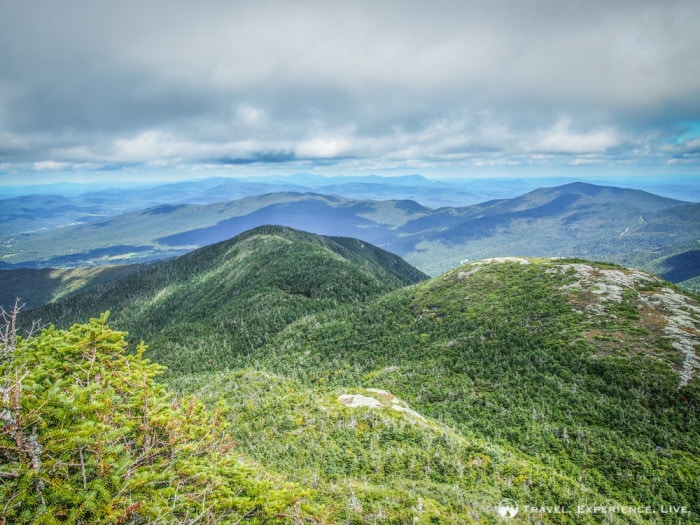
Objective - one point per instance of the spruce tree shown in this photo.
(87, 435)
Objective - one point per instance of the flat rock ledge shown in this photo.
(378, 399)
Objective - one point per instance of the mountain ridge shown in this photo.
(251, 285)
(629, 227)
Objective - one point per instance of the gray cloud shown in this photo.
(384, 83)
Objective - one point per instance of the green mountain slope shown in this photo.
(588, 369)
(380, 464)
(553, 382)
(35, 287)
(209, 308)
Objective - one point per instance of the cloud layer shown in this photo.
(365, 84)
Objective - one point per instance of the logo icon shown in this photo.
(507, 508)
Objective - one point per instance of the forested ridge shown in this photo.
(552, 382)
(223, 300)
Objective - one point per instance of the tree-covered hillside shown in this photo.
(40, 286)
(589, 369)
(204, 310)
(555, 383)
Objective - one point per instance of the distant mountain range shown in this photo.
(35, 207)
(629, 227)
(32, 208)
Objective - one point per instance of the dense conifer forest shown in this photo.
(292, 378)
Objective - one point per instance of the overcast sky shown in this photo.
(453, 87)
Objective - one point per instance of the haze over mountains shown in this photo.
(626, 226)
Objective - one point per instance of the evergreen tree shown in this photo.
(88, 436)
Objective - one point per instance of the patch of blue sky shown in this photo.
(692, 131)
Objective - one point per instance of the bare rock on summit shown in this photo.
(388, 400)
(662, 311)
(358, 400)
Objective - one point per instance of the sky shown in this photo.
(92, 88)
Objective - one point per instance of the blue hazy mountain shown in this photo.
(29, 208)
(625, 226)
